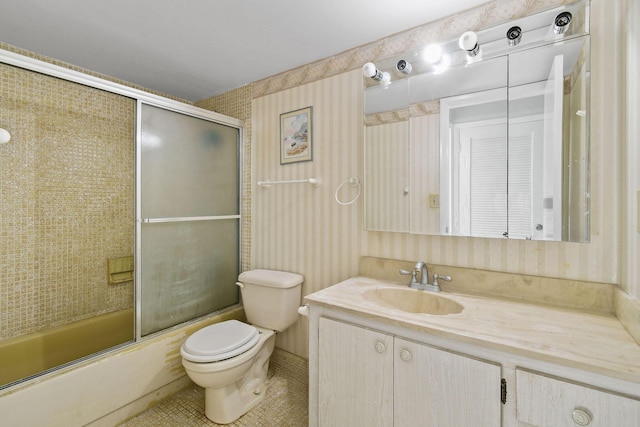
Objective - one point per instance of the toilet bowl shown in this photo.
(230, 359)
(235, 384)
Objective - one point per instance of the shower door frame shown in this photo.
(198, 113)
(138, 95)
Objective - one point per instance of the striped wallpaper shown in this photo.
(300, 228)
(424, 179)
(386, 193)
(297, 227)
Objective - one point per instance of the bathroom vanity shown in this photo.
(381, 354)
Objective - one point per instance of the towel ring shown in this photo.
(354, 182)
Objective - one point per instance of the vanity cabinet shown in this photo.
(371, 378)
(434, 387)
(544, 401)
(355, 376)
(380, 356)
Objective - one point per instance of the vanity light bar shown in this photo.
(541, 28)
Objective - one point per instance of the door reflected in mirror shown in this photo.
(494, 147)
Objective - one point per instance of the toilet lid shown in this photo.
(220, 341)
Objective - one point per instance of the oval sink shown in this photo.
(413, 301)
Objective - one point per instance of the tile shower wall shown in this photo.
(237, 104)
(66, 191)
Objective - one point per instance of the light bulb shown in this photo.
(433, 54)
(386, 79)
(369, 70)
(443, 65)
(514, 35)
(469, 41)
(561, 23)
(403, 66)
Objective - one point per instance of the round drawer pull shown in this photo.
(405, 355)
(380, 347)
(580, 417)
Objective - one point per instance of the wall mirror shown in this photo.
(485, 135)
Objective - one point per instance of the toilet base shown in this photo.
(226, 404)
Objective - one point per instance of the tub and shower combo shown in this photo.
(96, 171)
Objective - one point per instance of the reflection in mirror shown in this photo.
(548, 142)
(486, 144)
(387, 176)
(473, 164)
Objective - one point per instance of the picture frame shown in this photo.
(296, 136)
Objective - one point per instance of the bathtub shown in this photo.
(30, 354)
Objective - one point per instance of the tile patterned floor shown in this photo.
(285, 404)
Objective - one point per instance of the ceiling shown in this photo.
(193, 49)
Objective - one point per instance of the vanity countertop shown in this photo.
(593, 342)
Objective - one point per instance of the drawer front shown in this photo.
(543, 401)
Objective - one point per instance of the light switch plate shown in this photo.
(434, 201)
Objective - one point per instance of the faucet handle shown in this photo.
(414, 278)
(436, 277)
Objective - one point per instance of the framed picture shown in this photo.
(296, 136)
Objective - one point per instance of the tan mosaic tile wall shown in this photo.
(237, 104)
(67, 200)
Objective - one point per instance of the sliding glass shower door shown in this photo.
(188, 217)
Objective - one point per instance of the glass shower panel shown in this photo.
(190, 166)
(189, 217)
(189, 269)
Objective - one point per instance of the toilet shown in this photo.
(230, 359)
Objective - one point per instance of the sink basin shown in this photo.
(413, 301)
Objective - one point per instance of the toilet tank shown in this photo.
(271, 298)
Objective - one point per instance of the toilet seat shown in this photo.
(219, 341)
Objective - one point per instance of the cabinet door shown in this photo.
(355, 376)
(437, 388)
(543, 401)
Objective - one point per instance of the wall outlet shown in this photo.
(434, 201)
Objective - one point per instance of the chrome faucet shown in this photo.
(424, 272)
(421, 267)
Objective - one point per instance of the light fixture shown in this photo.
(404, 67)
(369, 70)
(514, 35)
(561, 23)
(468, 42)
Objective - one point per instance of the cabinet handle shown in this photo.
(580, 417)
(405, 355)
(380, 347)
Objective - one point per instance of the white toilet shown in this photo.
(230, 359)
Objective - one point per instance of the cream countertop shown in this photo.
(591, 341)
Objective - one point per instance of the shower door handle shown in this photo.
(188, 219)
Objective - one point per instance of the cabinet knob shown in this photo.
(580, 417)
(405, 355)
(380, 347)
